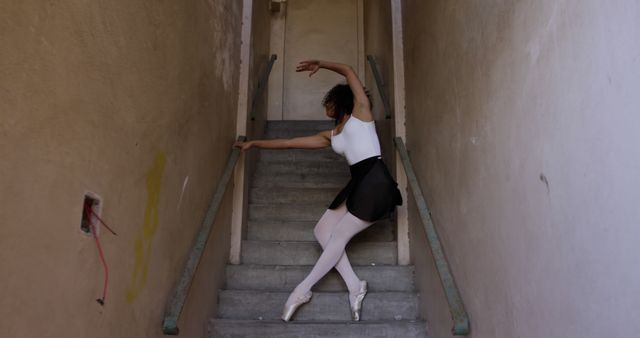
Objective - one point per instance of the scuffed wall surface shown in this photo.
(258, 62)
(136, 102)
(260, 55)
(378, 43)
(521, 123)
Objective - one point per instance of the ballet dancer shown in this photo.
(370, 195)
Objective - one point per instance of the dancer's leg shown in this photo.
(348, 227)
(323, 230)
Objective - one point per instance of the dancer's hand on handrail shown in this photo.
(243, 146)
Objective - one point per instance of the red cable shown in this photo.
(104, 264)
(90, 213)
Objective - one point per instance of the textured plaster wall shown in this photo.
(136, 102)
(522, 122)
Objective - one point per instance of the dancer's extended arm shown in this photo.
(320, 140)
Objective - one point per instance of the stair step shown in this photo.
(324, 306)
(285, 134)
(299, 180)
(287, 212)
(293, 195)
(226, 328)
(286, 278)
(303, 231)
(317, 125)
(307, 253)
(307, 167)
(288, 129)
(302, 155)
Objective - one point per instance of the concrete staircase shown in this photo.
(289, 192)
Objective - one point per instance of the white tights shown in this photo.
(333, 231)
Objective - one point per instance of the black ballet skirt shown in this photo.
(371, 194)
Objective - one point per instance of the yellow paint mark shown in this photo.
(142, 244)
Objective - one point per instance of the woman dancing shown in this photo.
(370, 195)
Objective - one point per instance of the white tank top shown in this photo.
(357, 141)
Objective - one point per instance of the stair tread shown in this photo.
(228, 328)
(288, 267)
(303, 231)
(289, 124)
(288, 195)
(299, 181)
(322, 155)
(287, 212)
(303, 252)
(319, 322)
(316, 293)
(252, 304)
(286, 277)
(314, 243)
(315, 166)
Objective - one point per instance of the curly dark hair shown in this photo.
(340, 98)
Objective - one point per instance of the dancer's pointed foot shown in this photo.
(355, 300)
(290, 309)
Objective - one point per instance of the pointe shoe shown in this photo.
(356, 307)
(288, 311)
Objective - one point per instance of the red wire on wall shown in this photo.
(90, 214)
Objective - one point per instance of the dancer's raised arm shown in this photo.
(361, 106)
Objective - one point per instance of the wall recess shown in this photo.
(91, 205)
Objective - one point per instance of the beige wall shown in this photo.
(522, 122)
(127, 99)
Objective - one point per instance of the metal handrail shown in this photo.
(175, 305)
(380, 84)
(262, 83)
(456, 307)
